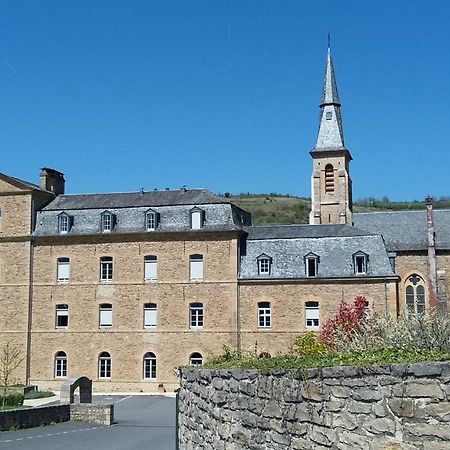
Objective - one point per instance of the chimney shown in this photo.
(431, 247)
(51, 180)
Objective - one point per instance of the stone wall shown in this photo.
(92, 413)
(33, 417)
(393, 407)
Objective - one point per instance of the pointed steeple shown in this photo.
(331, 135)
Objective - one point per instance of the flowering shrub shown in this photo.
(342, 329)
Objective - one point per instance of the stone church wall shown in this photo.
(394, 407)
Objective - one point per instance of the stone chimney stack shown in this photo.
(432, 274)
(51, 180)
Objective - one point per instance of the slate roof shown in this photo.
(129, 210)
(334, 244)
(134, 199)
(406, 230)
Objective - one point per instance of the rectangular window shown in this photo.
(150, 312)
(61, 365)
(264, 266)
(106, 268)
(196, 220)
(107, 222)
(62, 316)
(150, 221)
(63, 270)
(63, 223)
(149, 366)
(311, 267)
(360, 264)
(105, 316)
(150, 268)
(104, 366)
(196, 315)
(196, 267)
(264, 315)
(312, 314)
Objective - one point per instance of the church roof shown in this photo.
(406, 230)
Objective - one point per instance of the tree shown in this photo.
(11, 357)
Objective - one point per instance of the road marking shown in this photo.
(122, 399)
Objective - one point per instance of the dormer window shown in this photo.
(264, 264)
(64, 223)
(360, 261)
(107, 222)
(151, 220)
(311, 264)
(197, 218)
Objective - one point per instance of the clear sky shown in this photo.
(224, 95)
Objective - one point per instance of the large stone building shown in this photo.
(123, 288)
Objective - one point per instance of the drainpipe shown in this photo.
(431, 247)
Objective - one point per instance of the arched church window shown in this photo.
(329, 179)
(415, 294)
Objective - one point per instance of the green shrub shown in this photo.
(11, 400)
(38, 394)
(307, 345)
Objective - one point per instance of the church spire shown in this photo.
(331, 135)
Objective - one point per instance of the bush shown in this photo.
(307, 345)
(38, 394)
(11, 400)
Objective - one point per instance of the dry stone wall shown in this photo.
(393, 408)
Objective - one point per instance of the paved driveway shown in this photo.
(142, 422)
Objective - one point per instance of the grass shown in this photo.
(231, 360)
(38, 394)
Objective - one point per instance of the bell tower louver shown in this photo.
(331, 186)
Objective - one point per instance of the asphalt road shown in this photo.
(141, 422)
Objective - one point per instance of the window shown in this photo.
(62, 316)
(264, 264)
(63, 270)
(151, 220)
(60, 365)
(104, 365)
(108, 222)
(264, 315)
(328, 115)
(150, 314)
(196, 267)
(415, 294)
(329, 179)
(312, 314)
(64, 223)
(196, 359)
(149, 366)
(197, 218)
(150, 268)
(106, 268)
(311, 264)
(105, 320)
(196, 315)
(360, 260)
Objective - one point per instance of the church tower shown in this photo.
(331, 186)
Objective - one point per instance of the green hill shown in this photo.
(284, 209)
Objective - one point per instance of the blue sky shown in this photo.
(224, 95)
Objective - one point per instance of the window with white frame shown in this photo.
(104, 365)
(106, 268)
(60, 365)
(105, 318)
(312, 314)
(415, 294)
(197, 218)
(107, 221)
(63, 270)
(360, 261)
(311, 264)
(264, 264)
(264, 315)
(149, 366)
(150, 268)
(150, 315)
(64, 223)
(196, 267)
(196, 315)
(151, 220)
(196, 359)
(62, 316)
